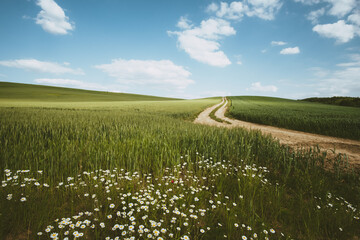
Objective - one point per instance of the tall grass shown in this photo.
(318, 118)
(146, 146)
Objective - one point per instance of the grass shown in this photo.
(22, 92)
(130, 169)
(336, 121)
(212, 115)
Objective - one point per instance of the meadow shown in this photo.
(143, 170)
(330, 120)
(17, 92)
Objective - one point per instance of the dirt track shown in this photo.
(295, 139)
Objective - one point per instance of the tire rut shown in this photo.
(292, 138)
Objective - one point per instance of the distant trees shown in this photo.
(341, 101)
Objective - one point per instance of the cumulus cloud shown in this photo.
(202, 43)
(338, 8)
(287, 51)
(278, 43)
(60, 82)
(233, 11)
(184, 23)
(213, 7)
(40, 66)
(341, 31)
(314, 16)
(341, 7)
(257, 87)
(355, 18)
(265, 9)
(163, 73)
(52, 18)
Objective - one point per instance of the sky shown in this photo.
(184, 48)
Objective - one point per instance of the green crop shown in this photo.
(336, 121)
(21, 92)
(98, 168)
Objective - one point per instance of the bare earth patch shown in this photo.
(292, 138)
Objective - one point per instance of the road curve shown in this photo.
(292, 138)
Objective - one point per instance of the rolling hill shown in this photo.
(23, 92)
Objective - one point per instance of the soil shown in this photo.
(292, 138)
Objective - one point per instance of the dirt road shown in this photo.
(295, 139)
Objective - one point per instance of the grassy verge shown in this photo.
(212, 115)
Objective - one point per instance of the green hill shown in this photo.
(24, 92)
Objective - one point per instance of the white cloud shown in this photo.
(213, 7)
(202, 43)
(313, 16)
(239, 62)
(309, 2)
(287, 51)
(163, 73)
(355, 18)
(257, 87)
(184, 23)
(212, 28)
(338, 8)
(233, 11)
(52, 18)
(74, 83)
(265, 9)
(341, 7)
(40, 66)
(341, 31)
(278, 43)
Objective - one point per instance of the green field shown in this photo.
(142, 169)
(336, 121)
(23, 92)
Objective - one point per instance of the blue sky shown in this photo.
(188, 49)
